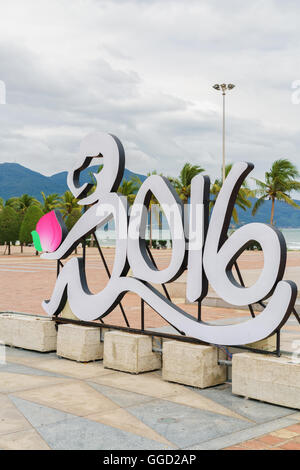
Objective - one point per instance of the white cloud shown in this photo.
(143, 70)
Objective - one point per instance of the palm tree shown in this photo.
(50, 202)
(182, 184)
(10, 202)
(22, 203)
(278, 184)
(67, 203)
(129, 188)
(242, 199)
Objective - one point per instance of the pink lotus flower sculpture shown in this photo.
(50, 232)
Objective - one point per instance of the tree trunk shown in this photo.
(21, 247)
(150, 228)
(272, 212)
(8, 244)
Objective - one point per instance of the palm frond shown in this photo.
(259, 202)
(235, 216)
(284, 197)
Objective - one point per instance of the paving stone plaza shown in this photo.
(53, 403)
(149, 230)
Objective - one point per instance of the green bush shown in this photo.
(31, 218)
(9, 225)
(154, 244)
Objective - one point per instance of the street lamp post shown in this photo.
(223, 87)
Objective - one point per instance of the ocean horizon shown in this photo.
(108, 237)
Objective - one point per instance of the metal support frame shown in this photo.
(142, 330)
(155, 265)
(142, 315)
(243, 285)
(296, 315)
(278, 343)
(109, 276)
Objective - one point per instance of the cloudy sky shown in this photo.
(143, 70)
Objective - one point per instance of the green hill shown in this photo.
(16, 180)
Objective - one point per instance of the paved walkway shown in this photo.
(26, 280)
(53, 403)
(49, 402)
(33, 279)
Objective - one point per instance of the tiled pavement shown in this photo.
(53, 403)
(33, 278)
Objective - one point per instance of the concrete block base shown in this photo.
(67, 312)
(79, 343)
(267, 378)
(28, 332)
(267, 344)
(192, 364)
(129, 352)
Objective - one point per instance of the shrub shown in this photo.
(154, 244)
(31, 218)
(9, 225)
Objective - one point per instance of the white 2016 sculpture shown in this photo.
(207, 254)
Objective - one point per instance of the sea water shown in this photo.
(292, 238)
(108, 237)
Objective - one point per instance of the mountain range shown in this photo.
(16, 180)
